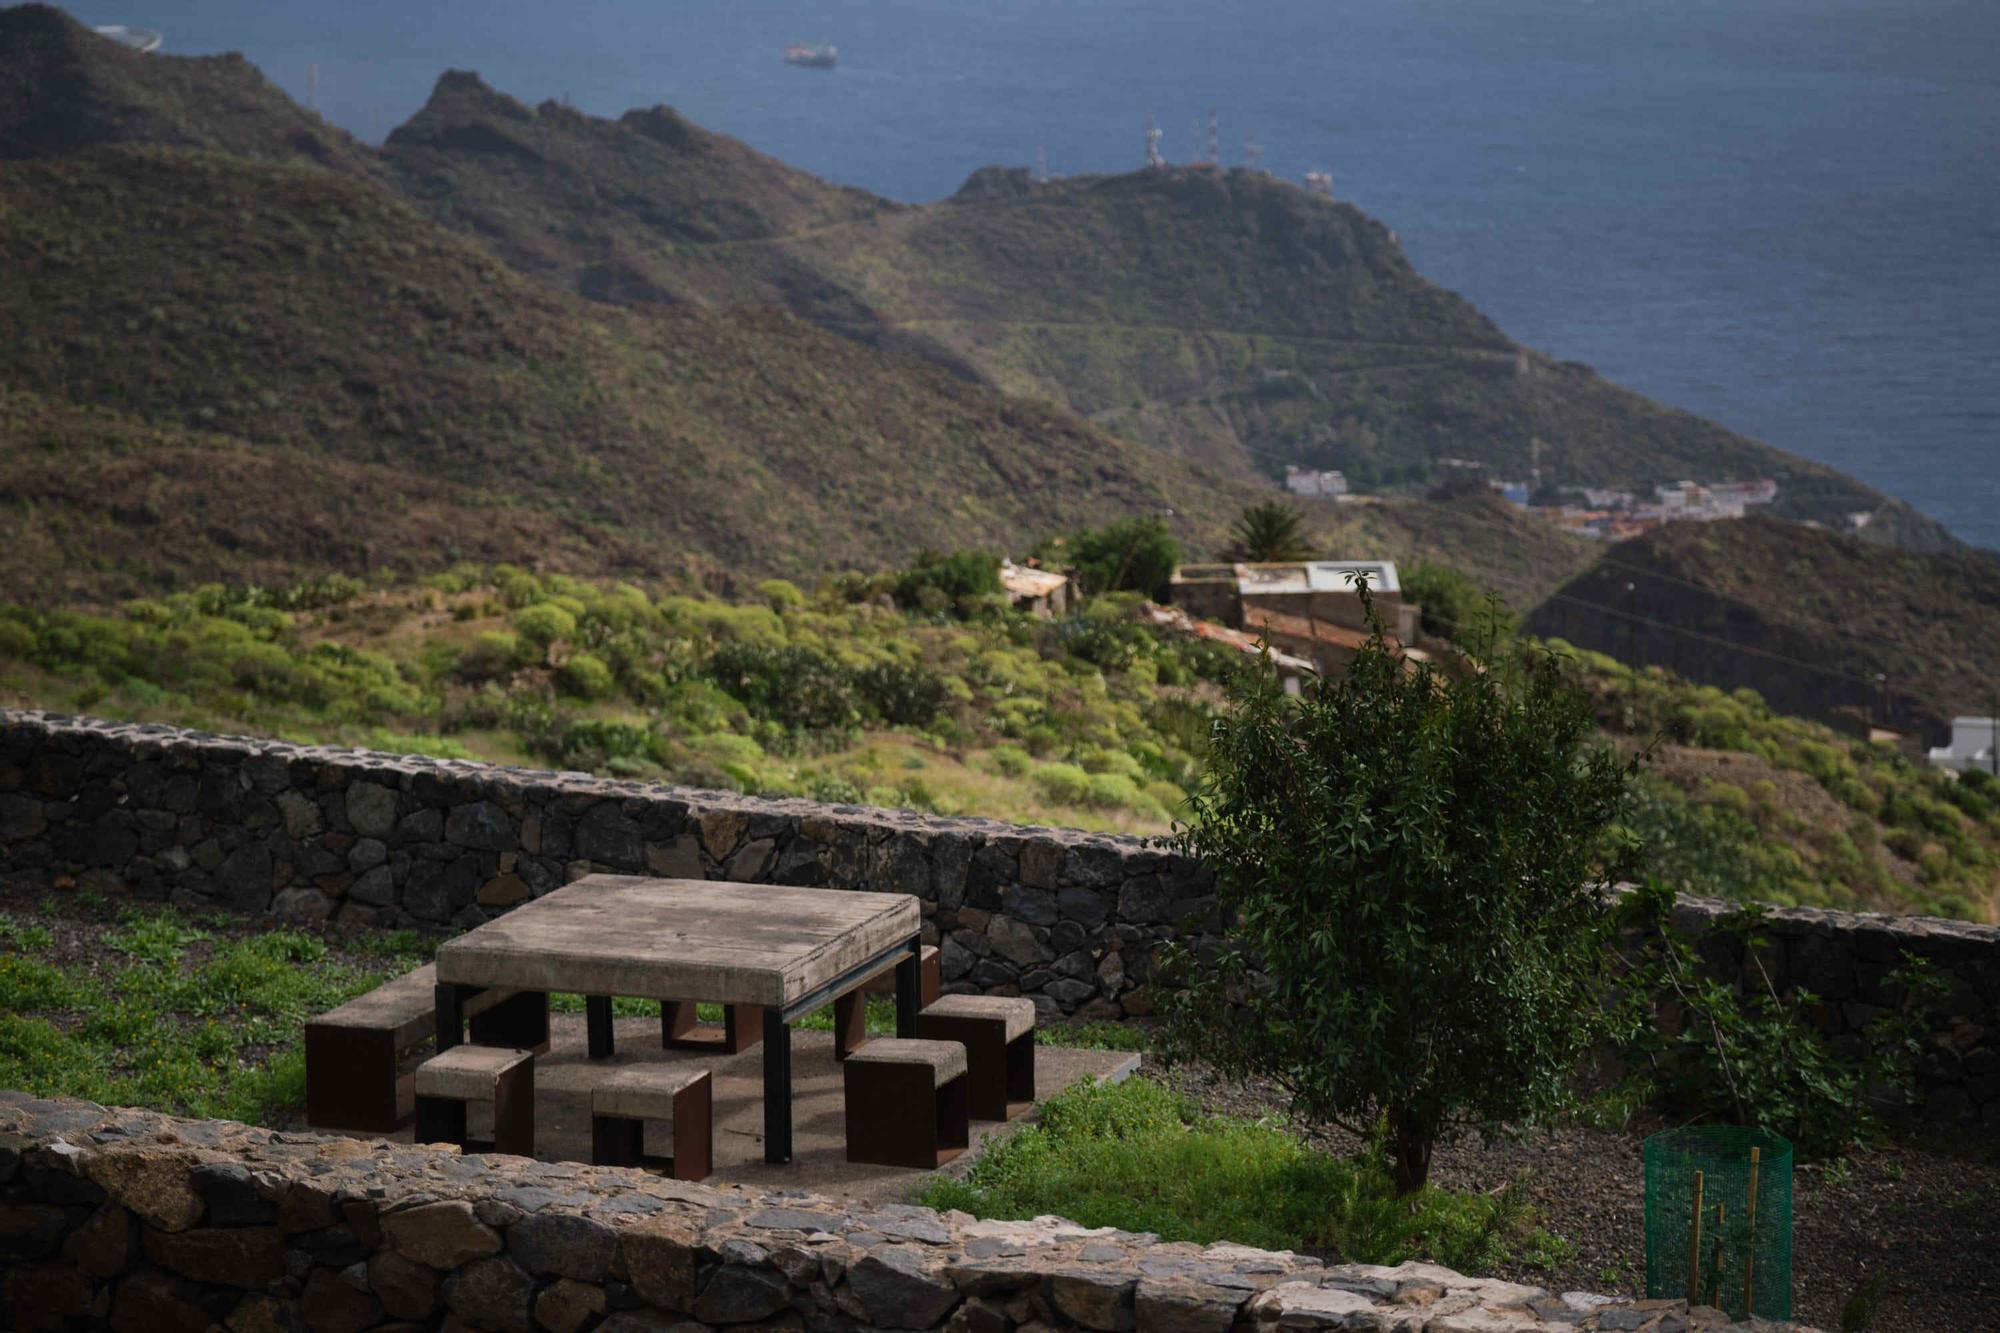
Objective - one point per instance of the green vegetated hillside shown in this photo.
(1222, 314)
(203, 299)
(263, 370)
(1805, 617)
(852, 692)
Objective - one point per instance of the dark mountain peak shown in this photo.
(19, 22)
(465, 114)
(64, 88)
(462, 92)
(668, 128)
(991, 183)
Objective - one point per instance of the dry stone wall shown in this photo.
(146, 1224)
(1071, 919)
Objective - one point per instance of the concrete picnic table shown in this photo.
(789, 951)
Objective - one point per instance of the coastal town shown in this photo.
(1601, 513)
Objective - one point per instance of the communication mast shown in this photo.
(1214, 140)
(1153, 158)
(1041, 164)
(1253, 152)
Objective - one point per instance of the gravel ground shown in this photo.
(1921, 1229)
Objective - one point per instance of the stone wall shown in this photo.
(147, 1224)
(1071, 919)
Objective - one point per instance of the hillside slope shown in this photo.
(1221, 314)
(1804, 617)
(295, 309)
(65, 88)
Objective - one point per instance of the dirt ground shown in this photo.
(1916, 1232)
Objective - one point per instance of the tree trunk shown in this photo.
(1410, 1142)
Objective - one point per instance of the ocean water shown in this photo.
(1782, 214)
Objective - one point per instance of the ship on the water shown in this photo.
(812, 55)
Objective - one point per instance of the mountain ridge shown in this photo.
(1220, 314)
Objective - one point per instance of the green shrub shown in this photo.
(1011, 760)
(938, 580)
(587, 677)
(1112, 791)
(1065, 784)
(1131, 555)
(543, 623)
(1457, 608)
(1756, 1056)
(781, 595)
(797, 687)
(489, 657)
(899, 694)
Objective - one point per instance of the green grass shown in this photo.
(1139, 1156)
(202, 1031)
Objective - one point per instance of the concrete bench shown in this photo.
(351, 1052)
(850, 1011)
(448, 1081)
(623, 1101)
(998, 1033)
(905, 1101)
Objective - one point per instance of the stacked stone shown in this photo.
(1071, 919)
(147, 1224)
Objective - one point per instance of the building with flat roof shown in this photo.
(1975, 743)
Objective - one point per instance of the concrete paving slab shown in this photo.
(564, 1077)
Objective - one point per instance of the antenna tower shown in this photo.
(1041, 164)
(1194, 139)
(1214, 140)
(1153, 158)
(1253, 152)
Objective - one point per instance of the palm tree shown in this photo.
(1269, 533)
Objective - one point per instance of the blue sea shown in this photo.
(1782, 214)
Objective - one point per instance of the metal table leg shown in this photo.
(450, 1000)
(909, 988)
(597, 1022)
(777, 1086)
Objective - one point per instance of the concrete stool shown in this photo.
(351, 1052)
(906, 1102)
(624, 1100)
(850, 1011)
(998, 1032)
(497, 1074)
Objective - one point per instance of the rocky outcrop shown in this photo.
(140, 1221)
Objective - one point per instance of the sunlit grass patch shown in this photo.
(1138, 1156)
(172, 1018)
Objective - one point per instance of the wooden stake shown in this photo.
(1715, 1271)
(1694, 1245)
(1750, 1240)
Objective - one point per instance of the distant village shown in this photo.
(1603, 514)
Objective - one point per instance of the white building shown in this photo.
(1313, 481)
(1972, 745)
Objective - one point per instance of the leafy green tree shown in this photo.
(1456, 608)
(1268, 533)
(1130, 555)
(1415, 861)
(941, 580)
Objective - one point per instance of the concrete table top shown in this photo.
(677, 939)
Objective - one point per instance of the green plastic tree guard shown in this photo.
(1757, 1259)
